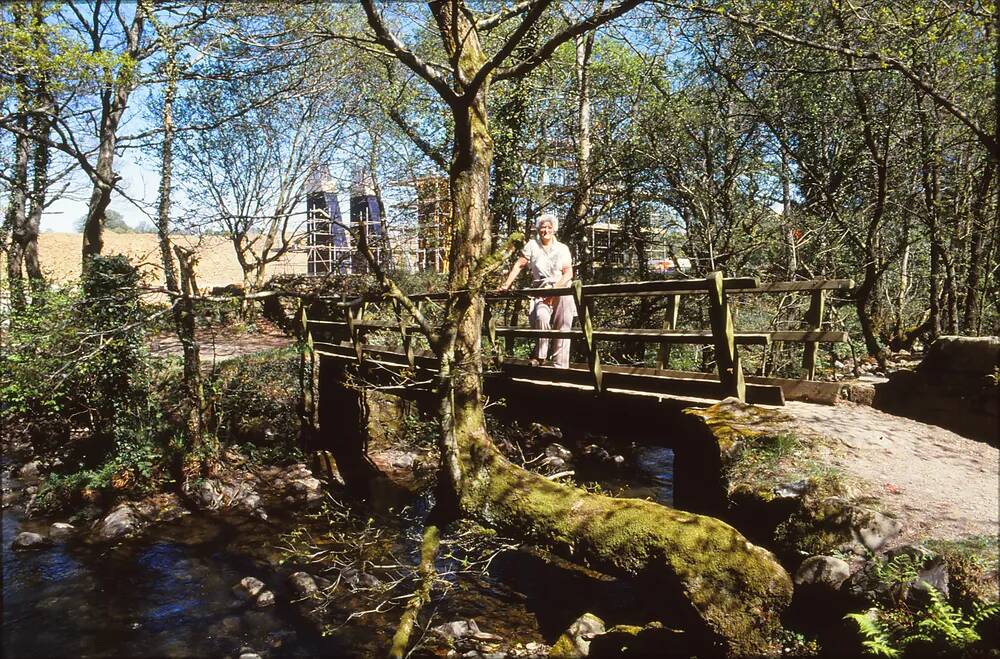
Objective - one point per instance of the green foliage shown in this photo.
(875, 637)
(40, 48)
(75, 358)
(37, 381)
(75, 380)
(255, 399)
(110, 308)
(419, 432)
(900, 569)
(939, 629)
(113, 222)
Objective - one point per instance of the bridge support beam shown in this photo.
(343, 425)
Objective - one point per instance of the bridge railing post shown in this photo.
(403, 318)
(307, 376)
(814, 321)
(355, 331)
(491, 331)
(669, 323)
(586, 324)
(723, 333)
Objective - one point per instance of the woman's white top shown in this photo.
(546, 263)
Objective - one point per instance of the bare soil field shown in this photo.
(59, 254)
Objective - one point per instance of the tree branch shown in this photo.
(987, 140)
(533, 14)
(546, 49)
(392, 43)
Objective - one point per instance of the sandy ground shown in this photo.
(939, 484)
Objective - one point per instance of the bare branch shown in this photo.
(533, 14)
(393, 44)
(489, 22)
(546, 49)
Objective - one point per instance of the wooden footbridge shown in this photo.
(342, 329)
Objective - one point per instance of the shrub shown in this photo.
(256, 398)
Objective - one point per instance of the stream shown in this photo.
(170, 593)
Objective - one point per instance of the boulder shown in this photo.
(358, 579)
(825, 571)
(546, 433)
(30, 472)
(461, 629)
(874, 529)
(249, 587)
(302, 584)
(596, 453)
(28, 541)
(970, 355)
(61, 531)
(264, 600)
(575, 641)
(553, 464)
(559, 451)
(120, 523)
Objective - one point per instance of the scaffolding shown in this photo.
(434, 211)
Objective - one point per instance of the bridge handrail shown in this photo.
(722, 333)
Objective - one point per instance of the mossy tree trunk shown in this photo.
(733, 588)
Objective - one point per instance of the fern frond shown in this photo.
(875, 639)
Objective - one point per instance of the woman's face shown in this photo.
(545, 231)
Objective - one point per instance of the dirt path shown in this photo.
(939, 484)
(220, 344)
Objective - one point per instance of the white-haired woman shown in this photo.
(551, 267)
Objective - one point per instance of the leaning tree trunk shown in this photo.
(731, 587)
(17, 215)
(113, 101)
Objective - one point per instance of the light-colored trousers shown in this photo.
(543, 316)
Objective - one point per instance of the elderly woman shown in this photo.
(551, 267)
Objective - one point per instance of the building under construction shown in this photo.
(434, 212)
(331, 244)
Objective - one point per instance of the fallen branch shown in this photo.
(428, 553)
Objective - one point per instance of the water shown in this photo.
(647, 474)
(161, 597)
(170, 593)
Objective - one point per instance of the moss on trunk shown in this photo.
(733, 588)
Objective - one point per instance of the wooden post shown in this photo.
(355, 331)
(508, 341)
(402, 316)
(307, 378)
(593, 358)
(669, 323)
(814, 321)
(491, 331)
(726, 357)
